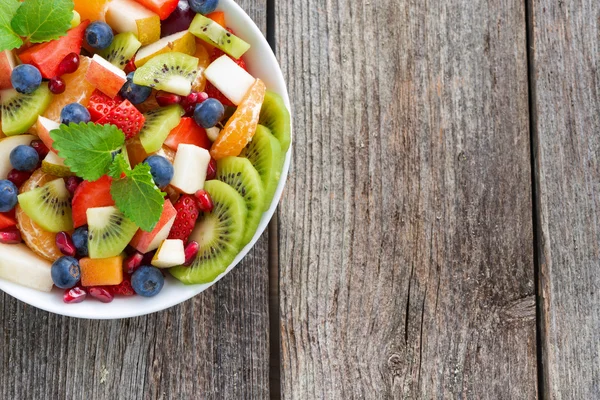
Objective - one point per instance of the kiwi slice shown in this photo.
(109, 232)
(172, 72)
(122, 49)
(264, 153)
(239, 173)
(275, 116)
(219, 234)
(49, 206)
(215, 35)
(20, 111)
(159, 123)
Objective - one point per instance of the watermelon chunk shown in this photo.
(91, 195)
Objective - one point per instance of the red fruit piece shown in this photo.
(211, 170)
(101, 293)
(74, 295)
(187, 214)
(48, 56)
(163, 8)
(73, 183)
(214, 93)
(7, 221)
(40, 148)
(125, 117)
(69, 64)
(166, 99)
(188, 132)
(130, 67)
(12, 236)
(191, 251)
(65, 244)
(132, 263)
(90, 195)
(205, 203)
(124, 288)
(218, 53)
(18, 177)
(57, 85)
(100, 105)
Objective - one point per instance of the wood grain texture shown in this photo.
(566, 118)
(215, 346)
(406, 240)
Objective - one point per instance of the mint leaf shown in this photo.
(137, 196)
(118, 167)
(43, 20)
(87, 148)
(8, 39)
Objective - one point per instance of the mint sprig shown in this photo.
(8, 38)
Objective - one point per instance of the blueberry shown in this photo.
(24, 158)
(161, 170)
(99, 35)
(74, 113)
(8, 195)
(204, 6)
(147, 281)
(80, 240)
(65, 272)
(26, 78)
(208, 113)
(136, 94)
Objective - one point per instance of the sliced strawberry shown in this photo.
(100, 105)
(187, 214)
(91, 195)
(7, 221)
(214, 93)
(125, 117)
(188, 132)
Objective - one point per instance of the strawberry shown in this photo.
(125, 117)
(187, 214)
(214, 93)
(7, 221)
(100, 105)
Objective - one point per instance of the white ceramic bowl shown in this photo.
(262, 64)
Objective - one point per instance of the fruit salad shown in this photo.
(134, 144)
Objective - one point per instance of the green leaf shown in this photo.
(118, 167)
(8, 38)
(87, 148)
(138, 198)
(43, 20)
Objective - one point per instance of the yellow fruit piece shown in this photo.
(76, 19)
(91, 9)
(148, 30)
(203, 63)
(101, 271)
(130, 16)
(182, 42)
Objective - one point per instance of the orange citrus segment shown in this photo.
(91, 9)
(38, 240)
(241, 127)
(101, 271)
(203, 63)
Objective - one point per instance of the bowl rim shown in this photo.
(277, 84)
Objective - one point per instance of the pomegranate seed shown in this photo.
(211, 171)
(101, 293)
(74, 295)
(69, 64)
(133, 262)
(166, 99)
(10, 237)
(201, 97)
(130, 67)
(124, 288)
(205, 203)
(57, 85)
(191, 251)
(40, 147)
(18, 177)
(147, 260)
(65, 244)
(73, 183)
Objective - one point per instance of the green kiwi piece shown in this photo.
(264, 152)
(239, 173)
(122, 49)
(159, 123)
(215, 35)
(20, 111)
(49, 206)
(109, 232)
(172, 72)
(275, 116)
(219, 234)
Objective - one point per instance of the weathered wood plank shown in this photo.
(215, 346)
(566, 57)
(406, 240)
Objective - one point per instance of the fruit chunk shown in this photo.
(20, 111)
(125, 117)
(145, 242)
(122, 49)
(94, 10)
(240, 128)
(7, 64)
(7, 145)
(100, 105)
(179, 20)
(187, 213)
(218, 233)
(55, 165)
(275, 116)
(102, 271)
(218, 17)
(182, 42)
(159, 124)
(229, 78)
(215, 35)
(191, 163)
(163, 8)
(172, 72)
(169, 254)
(44, 127)
(49, 206)
(188, 132)
(47, 56)
(105, 77)
(129, 16)
(109, 232)
(91, 195)
(19, 265)
(6, 221)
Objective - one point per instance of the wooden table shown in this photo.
(439, 237)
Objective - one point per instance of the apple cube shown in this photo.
(170, 254)
(6, 146)
(7, 64)
(191, 163)
(44, 127)
(106, 77)
(231, 79)
(20, 265)
(130, 16)
(145, 242)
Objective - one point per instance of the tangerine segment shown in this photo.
(241, 127)
(203, 63)
(91, 9)
(38, 240)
